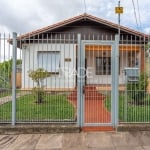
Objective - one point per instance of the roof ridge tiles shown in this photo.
(79, 17)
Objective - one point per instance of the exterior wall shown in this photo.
(91, 67)
(89, 30)
(106, 79)
(61, 80)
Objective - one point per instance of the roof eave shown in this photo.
(77, 18)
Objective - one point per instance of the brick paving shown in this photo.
(95, 111)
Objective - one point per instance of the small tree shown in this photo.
(137, 91)
(38, 76)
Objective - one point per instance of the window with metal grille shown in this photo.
(49, 60)
(103, 65)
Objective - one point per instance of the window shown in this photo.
(49, 60)
(133, 61)
(103, 65)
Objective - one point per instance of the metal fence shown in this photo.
(134, 100)
(5, 77)
(40, 82)
(35, 88)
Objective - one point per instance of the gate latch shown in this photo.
(83, 90)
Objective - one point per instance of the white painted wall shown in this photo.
(67, 73)
(30, 62)
(105, 79)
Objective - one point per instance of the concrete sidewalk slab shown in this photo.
(146, 147)
(101, 149)
(74, 141)
(6, 141)
(25, 142)
(130, 148)
(77, 141)
(49, 141)
(145, 138)
(126, 139)
(99, 140)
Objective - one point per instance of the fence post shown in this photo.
(14, 78)
(116, 94)
(79, 88)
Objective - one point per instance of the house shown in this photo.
(55, 48)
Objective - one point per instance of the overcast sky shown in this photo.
(26, 15)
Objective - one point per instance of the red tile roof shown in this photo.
(78, 18)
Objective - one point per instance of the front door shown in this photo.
(99, 96)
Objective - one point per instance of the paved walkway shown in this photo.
(6, 99)
(77, 141)
(94, 107)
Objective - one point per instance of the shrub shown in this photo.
(38, 93)
(137, 90)
(38, 76)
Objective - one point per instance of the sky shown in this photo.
(24, 16)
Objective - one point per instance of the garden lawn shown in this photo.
(55, 107)
(133, 113)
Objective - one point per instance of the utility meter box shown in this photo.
(132, 74)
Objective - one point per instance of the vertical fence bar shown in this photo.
(79, 88)
(82, 82)
(14, 78)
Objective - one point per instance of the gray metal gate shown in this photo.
(98, 81)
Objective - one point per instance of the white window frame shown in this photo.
(49, 60)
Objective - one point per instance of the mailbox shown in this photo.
(132, 74)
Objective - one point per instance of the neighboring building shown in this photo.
(55, 48)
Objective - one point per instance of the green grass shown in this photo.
(55, 107)
(133, 113)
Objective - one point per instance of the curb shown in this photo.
(134, 127)
(38, 129)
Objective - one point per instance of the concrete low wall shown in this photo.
(39, 129)
(134, 127)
